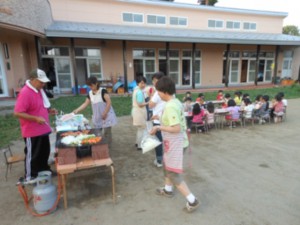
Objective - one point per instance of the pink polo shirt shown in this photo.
(30, 102)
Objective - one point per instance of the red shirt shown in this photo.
(30, 102)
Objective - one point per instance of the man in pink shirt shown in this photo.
(33, 108)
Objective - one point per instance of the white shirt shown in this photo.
(159, 106)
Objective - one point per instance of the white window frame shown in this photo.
(250, 23)
(156, 24)
(178, 25)
(173, 59)
(130, 22)
(215, 27)
(3, 77)
(191, 65)
(233, 21)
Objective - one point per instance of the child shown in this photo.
(233, 110)
(226, 99)
(198, 115)
(243, 102)
(200, 99)
(237, 97)
(210, 113)
(220, 95)
(262, 109)
(187, 105)
(284, 101)
(187, 95)
(278, 108)
(173, 129)
(248, 109)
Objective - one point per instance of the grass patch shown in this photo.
(10, 128)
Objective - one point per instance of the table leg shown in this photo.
(64, 184)
(113, 183)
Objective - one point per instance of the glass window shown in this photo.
(219, 24)
(211, 23)
(161, 20)
(229, 24)
(151, 19)
(127, 17)
(132, 17)
(178, 21)
(186, 53)
(138, 53)
(54, 51)
(249, 26)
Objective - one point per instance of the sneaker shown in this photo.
(191, 207)
(157, 164)
(161, 191)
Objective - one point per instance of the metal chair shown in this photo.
(11, 159)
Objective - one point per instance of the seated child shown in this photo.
(187, 105)
(200, 99)
(248, 109)
(278, 109)
(233, 110)
(226, 99)
(210, 113)
(187, 95)
(198, 115)
(220, 95)
(284, 101)
(243, 103)
(238, 97)
(261, 109)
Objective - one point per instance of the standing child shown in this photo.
(173, 128)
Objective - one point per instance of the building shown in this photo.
(197, 46)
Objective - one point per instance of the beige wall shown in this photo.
(22, 57)
(110, 12)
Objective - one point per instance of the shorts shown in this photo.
(176, 178)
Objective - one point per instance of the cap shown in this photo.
(39, 74)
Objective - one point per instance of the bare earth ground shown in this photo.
(244, 176)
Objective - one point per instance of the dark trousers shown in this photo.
(159, 149)
(37, 151)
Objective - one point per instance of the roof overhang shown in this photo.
(139, 33)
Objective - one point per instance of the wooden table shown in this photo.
(83, 164)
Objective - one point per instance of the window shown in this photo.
(155, 19)
(89, 61)
(55, 51)
(133, 18)
(249, 26)
(178, 21)
(215, 23)
(174, 64)
(233, 25)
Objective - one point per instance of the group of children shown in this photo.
(261, 109)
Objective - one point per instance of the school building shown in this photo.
(197, 46)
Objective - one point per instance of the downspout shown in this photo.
(276, 64)
(257, 64)
(167, 59)
(72, 54)
(38, 52)
(227, 65)
(125, 66)
(193, 65)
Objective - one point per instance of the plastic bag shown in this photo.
(149, 142)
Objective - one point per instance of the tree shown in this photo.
(207, 2)
(291, 30)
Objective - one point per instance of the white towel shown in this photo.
(45, 98)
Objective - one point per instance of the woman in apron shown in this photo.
(104, 116)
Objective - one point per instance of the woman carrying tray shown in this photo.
(104, 116)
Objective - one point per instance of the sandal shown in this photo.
(163, 192)
(191, 207)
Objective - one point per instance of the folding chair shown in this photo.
(11, 159)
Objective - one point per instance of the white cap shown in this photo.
(40, 75)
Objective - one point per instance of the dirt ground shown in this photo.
(243, 176)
